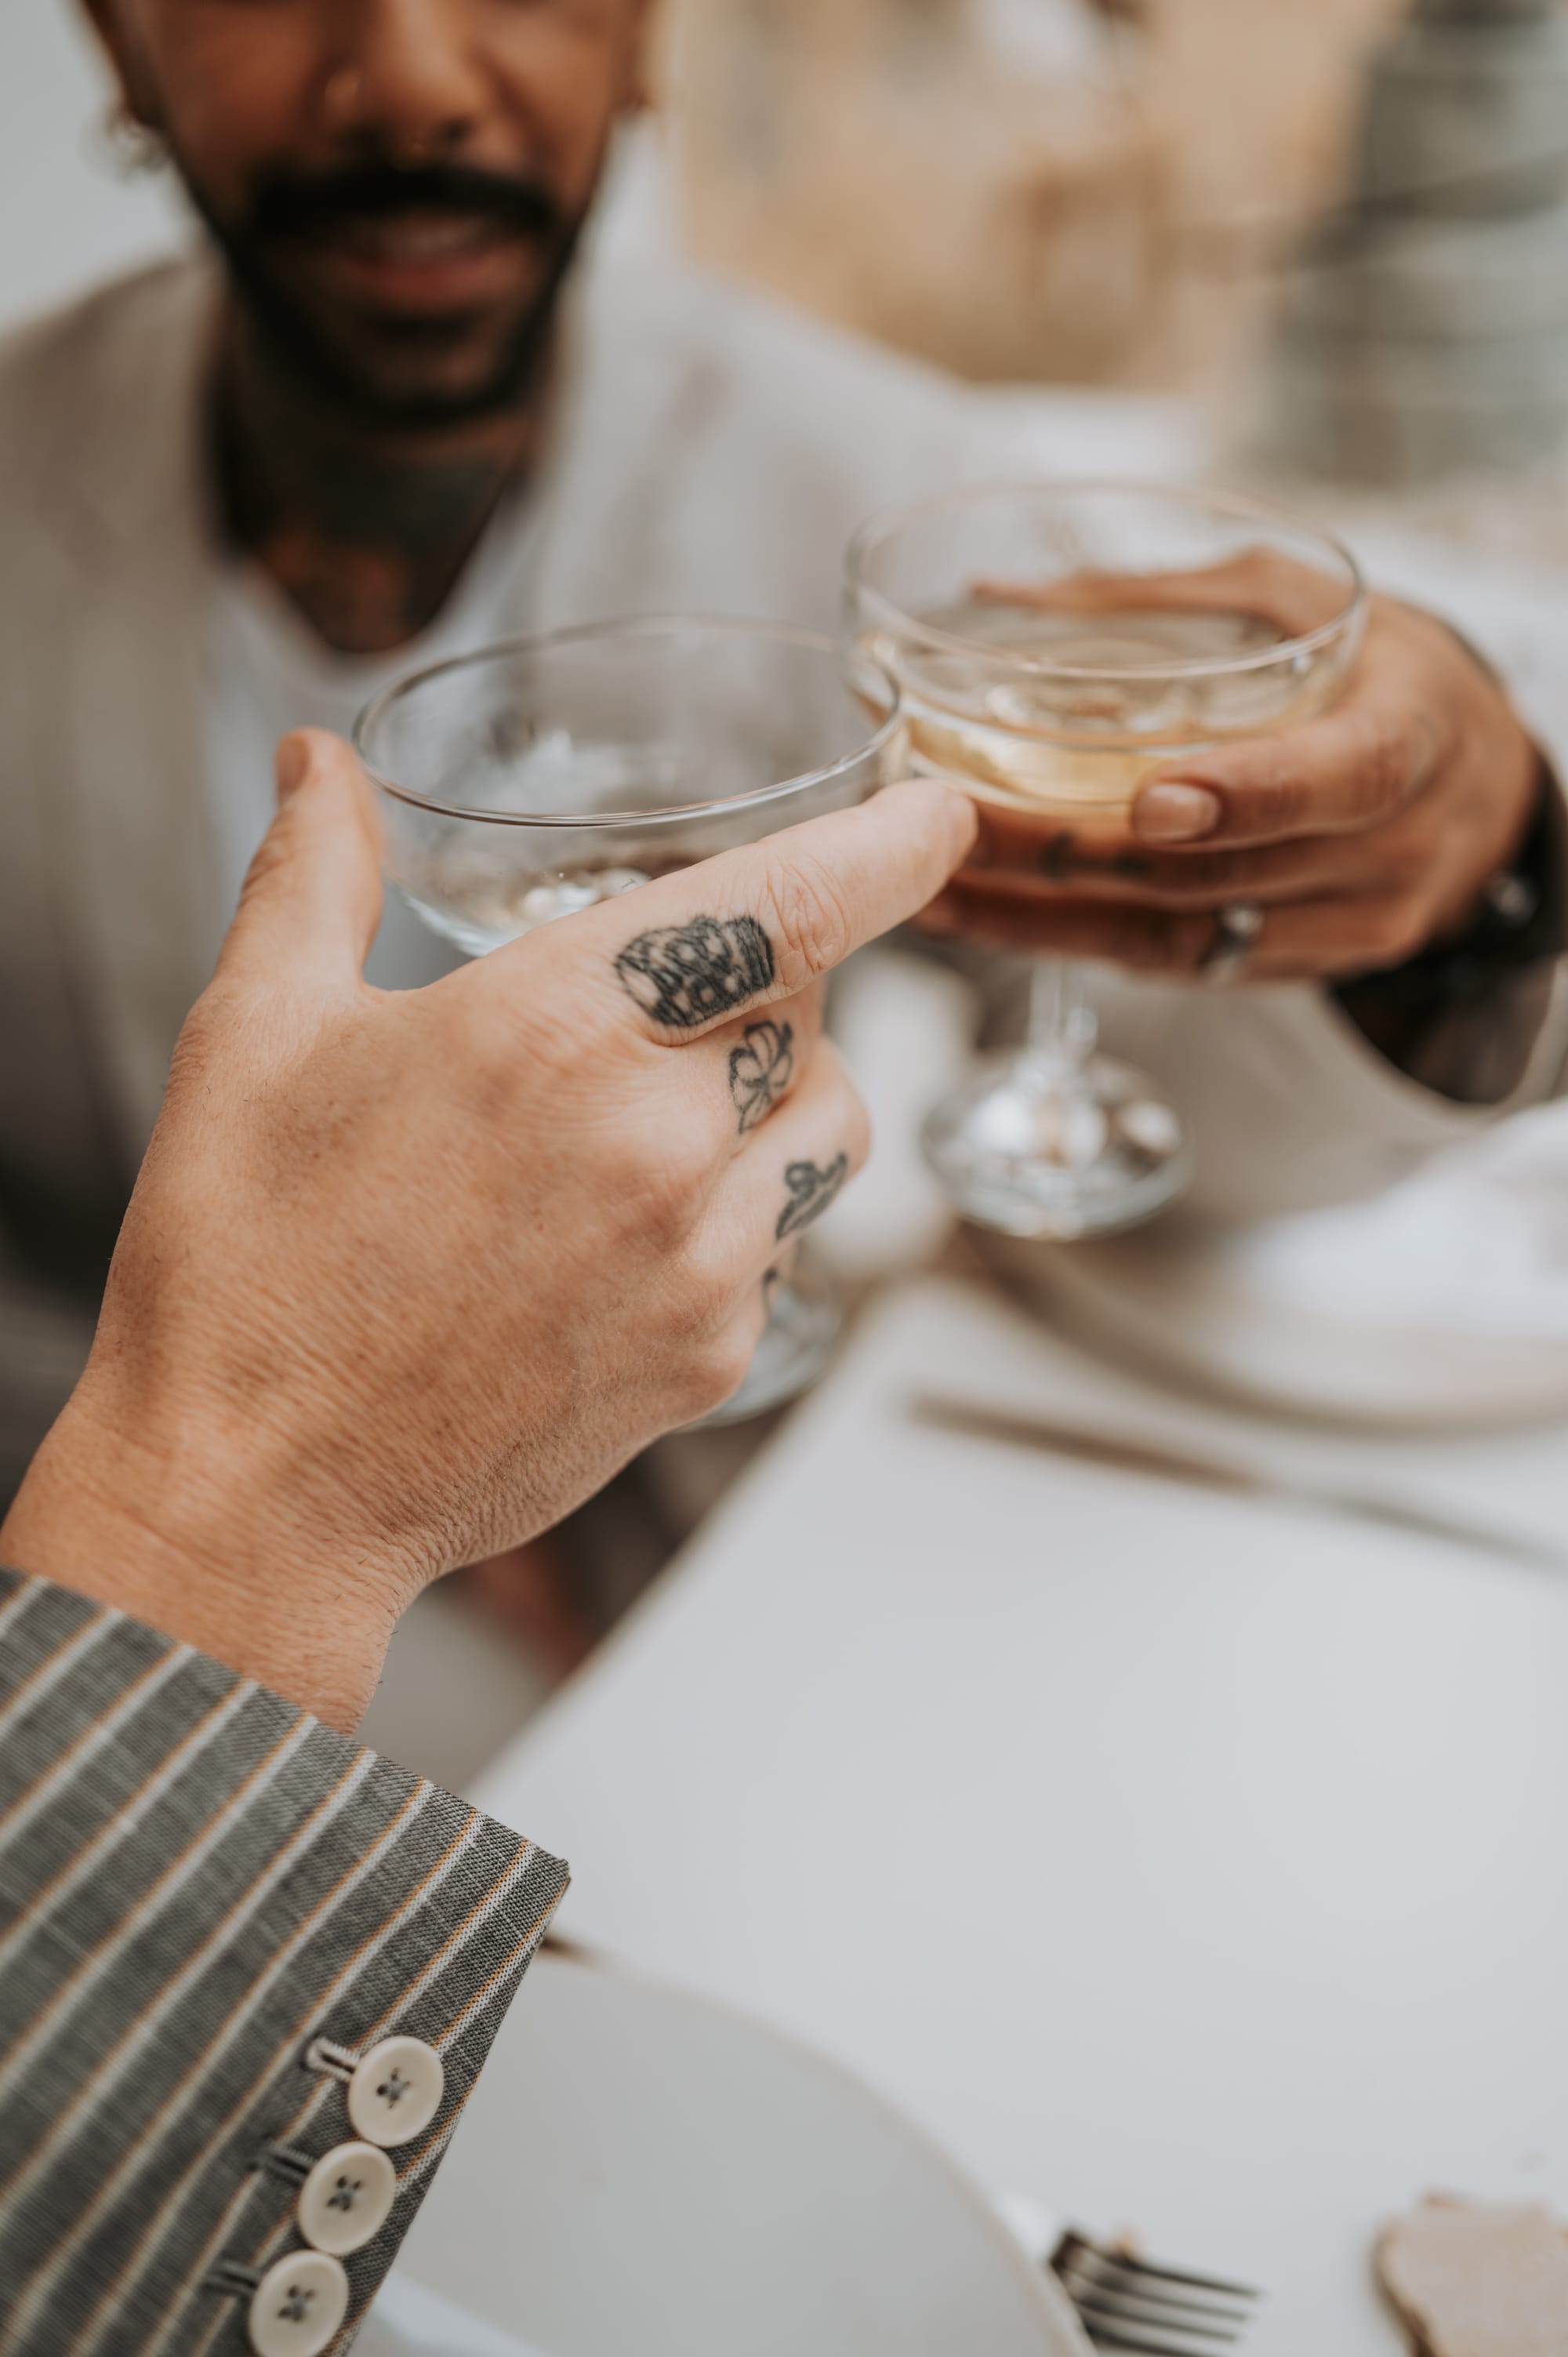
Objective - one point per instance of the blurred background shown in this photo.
(1115, 161)
(1088, 146)
(1342, 226)
(70, 218)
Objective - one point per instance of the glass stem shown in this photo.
(1062, 1025)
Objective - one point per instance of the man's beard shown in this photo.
(298, 206)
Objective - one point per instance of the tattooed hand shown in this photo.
(409, 1274)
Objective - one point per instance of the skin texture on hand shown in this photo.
(1365, 835)
(407, 1276)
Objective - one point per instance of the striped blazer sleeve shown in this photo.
(210, 1907)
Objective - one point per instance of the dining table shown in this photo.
(1162, 1802)
(1139, 1747)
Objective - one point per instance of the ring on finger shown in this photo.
(1238, 929)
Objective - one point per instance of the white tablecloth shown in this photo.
(1192, 1862)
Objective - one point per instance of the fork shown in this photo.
(1128, 2303)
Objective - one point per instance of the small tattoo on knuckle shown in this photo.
(810, 1192)
(760, 1069)
(683, 975)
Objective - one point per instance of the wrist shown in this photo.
(193, 1533)
(1462, 1016)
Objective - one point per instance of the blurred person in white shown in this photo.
(380, 415)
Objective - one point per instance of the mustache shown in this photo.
(299, 204)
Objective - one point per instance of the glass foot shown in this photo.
(1054, 1146)
(797, 1344)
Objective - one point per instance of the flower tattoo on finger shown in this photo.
(760, 1069)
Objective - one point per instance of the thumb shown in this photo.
(312, 899)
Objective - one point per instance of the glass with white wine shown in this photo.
(1054, 644)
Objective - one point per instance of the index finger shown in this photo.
(766, 921)
(1339, 775)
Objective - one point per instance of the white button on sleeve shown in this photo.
(344, 2202)
(396, 2091)
(298, 2305)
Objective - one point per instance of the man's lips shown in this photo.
(423, 262)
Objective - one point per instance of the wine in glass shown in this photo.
(537, 778)
(1054, 644)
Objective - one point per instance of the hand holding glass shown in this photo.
(540, 776)
(1054, 644)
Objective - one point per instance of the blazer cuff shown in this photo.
(211, 1907)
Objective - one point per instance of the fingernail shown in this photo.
(959, 812)
(1173, 813)
(292, 766)
(963, 819)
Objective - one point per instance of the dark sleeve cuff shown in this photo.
(202, 1893)
(1464, 1017)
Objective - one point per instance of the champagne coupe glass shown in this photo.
(1055, 643)
(533, 778)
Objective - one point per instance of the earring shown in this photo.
(131, 149)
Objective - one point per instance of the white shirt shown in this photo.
(265, 671)
(716, 451)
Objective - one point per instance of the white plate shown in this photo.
(643, 2174)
